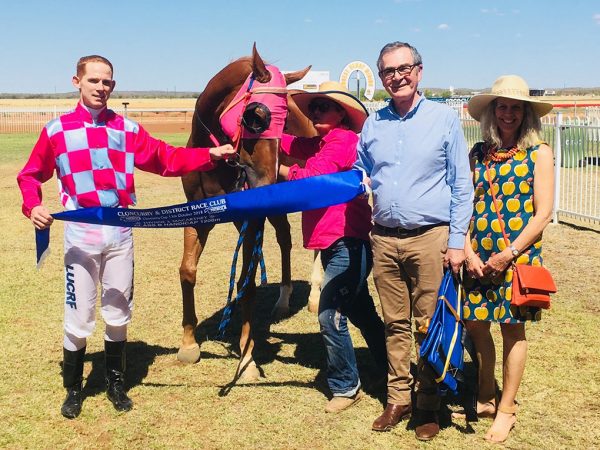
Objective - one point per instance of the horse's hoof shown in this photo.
(250, 374)
(190, 355)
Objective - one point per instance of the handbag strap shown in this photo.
(500, 221)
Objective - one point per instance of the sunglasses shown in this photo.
(321, 106)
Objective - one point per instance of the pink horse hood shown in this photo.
(271, 94)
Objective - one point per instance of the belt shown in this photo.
(399, 231)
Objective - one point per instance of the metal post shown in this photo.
(557, 164)
(125, 109)
(357, 84)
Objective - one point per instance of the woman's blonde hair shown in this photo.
(529, 133)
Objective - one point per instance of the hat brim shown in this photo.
(479, 102)
(357, 113)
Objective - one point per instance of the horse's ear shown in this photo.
(292, 77)
(261, 74)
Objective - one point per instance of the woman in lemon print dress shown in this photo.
(521, 171)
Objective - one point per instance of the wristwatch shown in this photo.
(514, 251)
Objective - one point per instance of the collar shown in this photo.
(92, 115)
(333, 133)
(410, 113)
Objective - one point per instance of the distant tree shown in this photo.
(380, 95)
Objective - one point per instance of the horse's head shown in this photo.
(246, 104)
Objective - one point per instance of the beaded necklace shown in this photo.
(502, 154)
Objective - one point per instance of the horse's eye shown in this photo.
(256, 118)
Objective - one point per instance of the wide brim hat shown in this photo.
(333, 90)
(507, 86)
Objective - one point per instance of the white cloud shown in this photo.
(415, 30)
(596, 18)
(308, 20)
(443, 26)
(379, 21)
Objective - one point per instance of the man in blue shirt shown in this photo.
(416, 157)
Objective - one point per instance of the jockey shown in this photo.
(94, 152)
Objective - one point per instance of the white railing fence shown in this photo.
(575, 141)
(22, 120)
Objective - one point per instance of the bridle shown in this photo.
(264, 118)
(255, 120)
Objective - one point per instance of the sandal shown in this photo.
(507, 415)
(488, 411)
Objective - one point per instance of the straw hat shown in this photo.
(333, 90)
(507, 86)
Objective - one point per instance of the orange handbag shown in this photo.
(532, 285)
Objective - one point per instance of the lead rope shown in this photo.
(257, 256)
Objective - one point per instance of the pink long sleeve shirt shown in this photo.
(335, 152)
(95, 159)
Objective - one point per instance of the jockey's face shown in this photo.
(95, 85)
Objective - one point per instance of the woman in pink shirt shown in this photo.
(341, 232)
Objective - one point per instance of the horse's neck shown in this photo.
(297, 123)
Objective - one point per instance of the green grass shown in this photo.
(187, 407)
(15, 148)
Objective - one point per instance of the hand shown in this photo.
(474, 266)
(454, 258)
(40, 217)
(366, 182)
(283, 172)
(221, 152)
(498, 263)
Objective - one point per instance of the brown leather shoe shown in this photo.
(428, 425)
(391, 416)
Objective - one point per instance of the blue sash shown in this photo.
(282, 198)
(443, 347)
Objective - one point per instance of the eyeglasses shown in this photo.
(389, 72)
(321, 106)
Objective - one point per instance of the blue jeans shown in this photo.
(345, 295)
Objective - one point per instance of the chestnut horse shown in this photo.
(258, 160)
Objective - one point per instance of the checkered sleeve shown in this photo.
(156, 156)
(39, 169)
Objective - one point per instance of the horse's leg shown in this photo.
(247, 370)
(194, 241)
(284, 240)
(316, 279)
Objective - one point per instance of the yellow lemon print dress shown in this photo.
(512, 181)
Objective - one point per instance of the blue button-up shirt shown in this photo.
(419, 168)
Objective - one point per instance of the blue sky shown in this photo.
(179, 45)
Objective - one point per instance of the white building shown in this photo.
(311, 80)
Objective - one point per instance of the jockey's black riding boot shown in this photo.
(72, 379)
(114, 353)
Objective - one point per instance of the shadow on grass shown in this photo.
(140, 356)
(309, 349)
